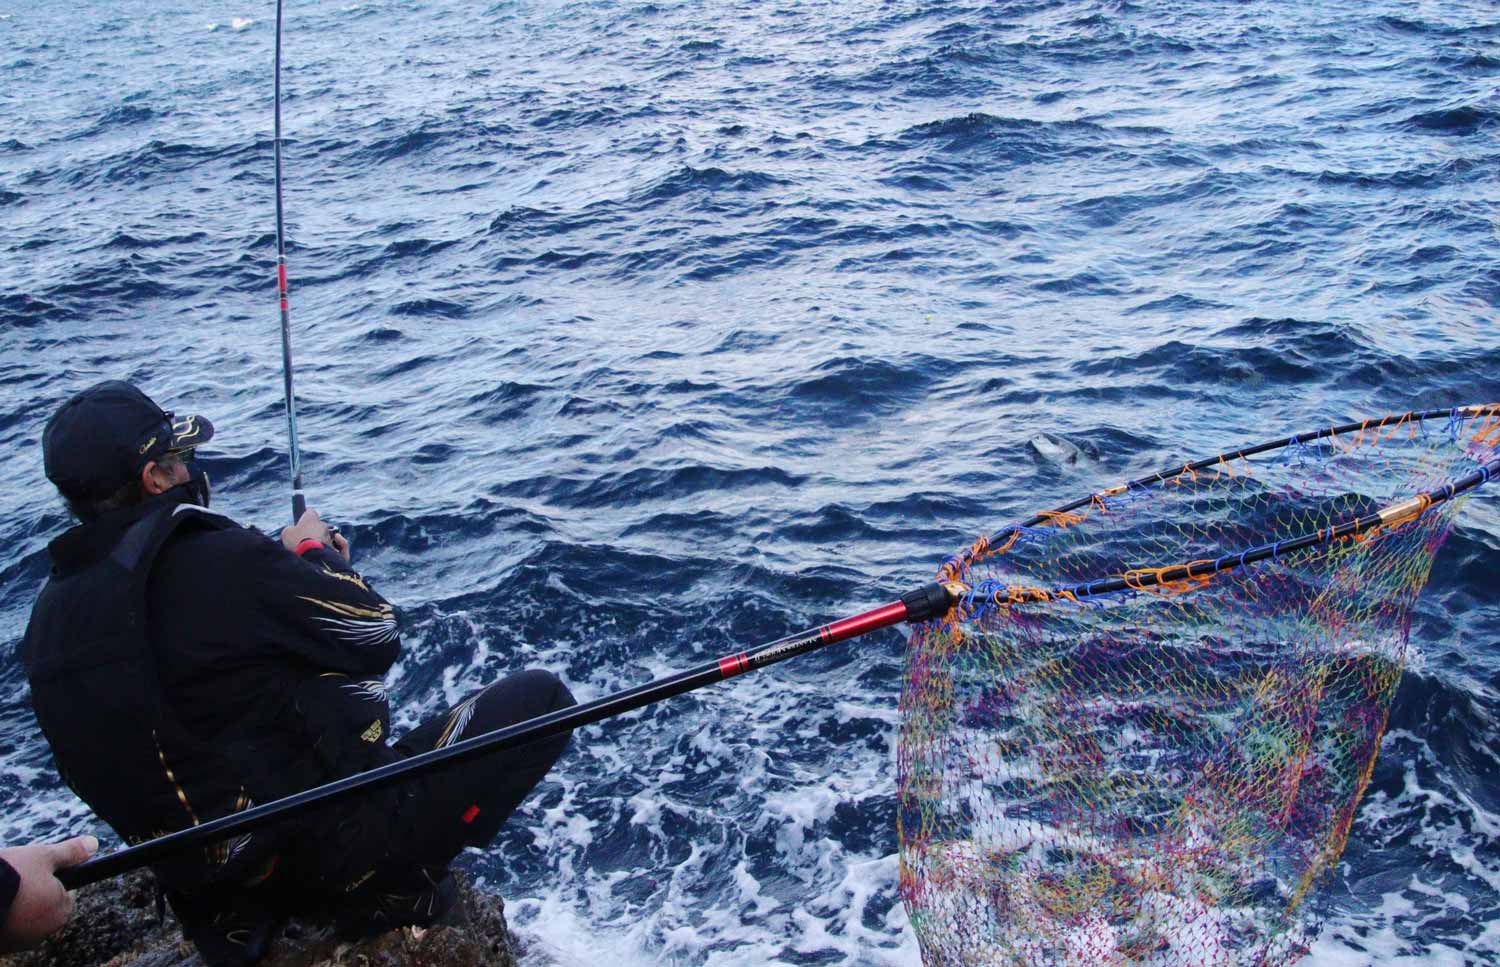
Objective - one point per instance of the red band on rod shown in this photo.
(734, 665)
(891, 614)
(281, 276)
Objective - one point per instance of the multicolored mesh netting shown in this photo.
(1160, 774)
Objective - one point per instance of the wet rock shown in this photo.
(116, 925)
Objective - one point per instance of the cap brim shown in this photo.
(191, 432)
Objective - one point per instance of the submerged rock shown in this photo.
(116, 925)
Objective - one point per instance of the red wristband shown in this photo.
(308, 545)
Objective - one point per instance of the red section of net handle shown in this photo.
(919, 605)
(890, 614)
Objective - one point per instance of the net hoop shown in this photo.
(1347, 436)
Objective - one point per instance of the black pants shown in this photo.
(397, 840)
(466, 804)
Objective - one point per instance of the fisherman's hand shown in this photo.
(309, 527)
(42, 903)
(341, 544)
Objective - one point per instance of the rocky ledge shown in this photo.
(116, 925)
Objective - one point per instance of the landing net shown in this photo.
(1142, 736)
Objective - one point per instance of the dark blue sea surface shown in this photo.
(628, 334)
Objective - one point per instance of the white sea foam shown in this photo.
(556, 934)
(53, 815)
(696, 885)
(1366, 944)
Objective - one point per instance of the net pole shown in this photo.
(922, 604)
(299, 502)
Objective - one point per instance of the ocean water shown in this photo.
(632, 333)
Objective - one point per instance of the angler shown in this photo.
(184, 668)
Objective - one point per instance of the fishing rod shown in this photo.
(299, 502)
(923, 604)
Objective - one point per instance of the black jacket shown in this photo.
(243, 631)
(184, 667)
(10, 885)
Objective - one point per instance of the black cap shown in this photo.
(100, 439)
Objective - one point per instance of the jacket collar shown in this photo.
(86, 544)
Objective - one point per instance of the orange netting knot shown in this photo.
(1155, 580)
(1488, 433)
(1024, 594)
(1062, 518)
